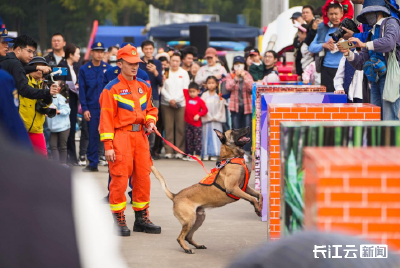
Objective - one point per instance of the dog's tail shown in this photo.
(161, 179)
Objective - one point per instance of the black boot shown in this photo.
(119, 218)
(144, 224)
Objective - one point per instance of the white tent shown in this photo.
(280, 32)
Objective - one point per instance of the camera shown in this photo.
(347, 23)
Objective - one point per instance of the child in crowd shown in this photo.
(348, 10)
(59, 126)
(195, 109)
(214, 119)
(310, 75)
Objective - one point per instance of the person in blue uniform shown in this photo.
(113, 72)
(91, 76)
(10, 120)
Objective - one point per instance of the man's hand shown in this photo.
(151, 128)
(58, 111)
(341, 91)
(152, 68)
(110, 155)
(218, 76)
(316, 23)
(329, 45)
(53, 89)
(44, 69)
(86, 115)
(196, 117)
(341, 49)
(172, 103)
(349, 33)
(358, 42)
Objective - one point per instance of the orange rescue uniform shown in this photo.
(126, 107)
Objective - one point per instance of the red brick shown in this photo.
(365, 182)
(383, 168)
(299, 109)
(321, 197)
(275, 168)
(364, 109)
(376, 109)
(330, 212)
(356, 116)
(282, 109)
(384, 227)
(324, 116)
(274, 142)
(384, 197)
(393, 182)
(276, 115)
(307, 116)
(339, 116)
(330, 182)
(393, 212)
(275, 235)
(331, 109)
(373, 116)
(346, 197)
(290, 116)
(274, 195)
(353, 227)
(347, 109)
(365, 212)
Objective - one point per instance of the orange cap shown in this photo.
(129, 53)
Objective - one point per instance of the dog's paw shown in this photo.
(189, 251)
(201, 247)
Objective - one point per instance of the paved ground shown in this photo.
(227, 231)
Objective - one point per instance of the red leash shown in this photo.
(177, 149)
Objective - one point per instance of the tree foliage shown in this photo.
(74, 18)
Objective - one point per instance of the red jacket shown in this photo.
(348, 10)
(194, 106)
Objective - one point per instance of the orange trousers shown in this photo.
(132, 160)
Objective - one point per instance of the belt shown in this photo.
(132, 128)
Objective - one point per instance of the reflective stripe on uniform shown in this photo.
(120, 99)
(150, 117)
(116, 207)
(143, 102)
(106, 136)
(139, 205)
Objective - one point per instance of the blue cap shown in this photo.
(126, 43)
(238, 59)
(98, 46)
(4, 35)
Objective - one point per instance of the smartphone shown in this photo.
(347, 44)
(63, 70)
(317, 17)
(150, 61)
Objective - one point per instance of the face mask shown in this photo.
(371, 18)
(238, 67)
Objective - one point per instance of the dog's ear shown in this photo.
(221, 136)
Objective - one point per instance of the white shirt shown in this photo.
(73, 74)
(356, 86)
(174, 86)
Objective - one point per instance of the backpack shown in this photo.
(374, 69)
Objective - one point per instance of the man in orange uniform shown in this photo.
(126, 112)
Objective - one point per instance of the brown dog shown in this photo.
(189, 204)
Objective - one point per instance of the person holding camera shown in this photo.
(23, 50)
(173, 105)
(34, 111)
(330, 62)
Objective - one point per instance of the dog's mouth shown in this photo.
(242, 141)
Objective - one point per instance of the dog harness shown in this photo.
(211, 179)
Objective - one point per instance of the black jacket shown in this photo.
(14, 66)
(51, 60)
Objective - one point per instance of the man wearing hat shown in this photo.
(126, 112)
(33, 111)
(91, 76)
(4, 40)
(385, 36)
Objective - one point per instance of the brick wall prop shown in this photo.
(262, 126)
(294, 136)
(354, 190)
(256, 101)
(300, 112)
